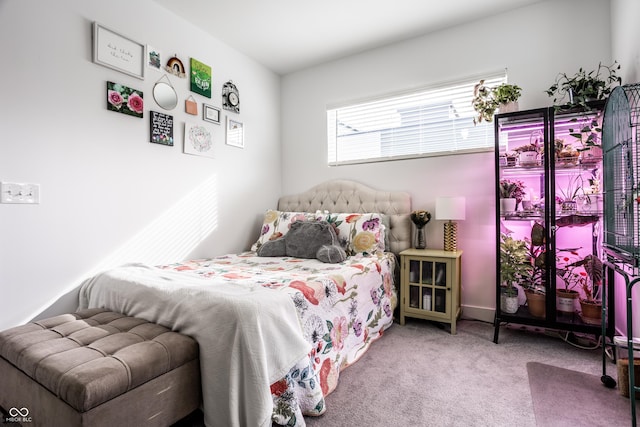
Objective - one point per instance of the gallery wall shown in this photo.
(108, 195)
(534, 43)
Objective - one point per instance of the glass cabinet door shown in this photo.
(576, 213)
(428, 285)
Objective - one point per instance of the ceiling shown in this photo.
(289, 35)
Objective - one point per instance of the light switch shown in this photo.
(13, 192)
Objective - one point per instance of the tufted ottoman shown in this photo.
(97, 368)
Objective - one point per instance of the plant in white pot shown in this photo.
(528, 154)
(567, 195)
(511, 193)
(514, 266)
(570, 271)
(487, 100)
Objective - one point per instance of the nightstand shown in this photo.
(430, 285)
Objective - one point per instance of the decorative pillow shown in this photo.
(275, 247)
(276, 224)
(306, 239)
(359, 232)
(331, 254)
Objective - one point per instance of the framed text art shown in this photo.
(161, 128)
(118, 52)
(235, 133)
(210, 114)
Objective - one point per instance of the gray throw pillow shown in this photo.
(331, 254)
(275, 247)
(305, 238)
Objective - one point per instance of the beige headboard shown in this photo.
(339, 196)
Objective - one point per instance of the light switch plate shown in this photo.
(13, 192)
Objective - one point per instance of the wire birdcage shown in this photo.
(620, 139)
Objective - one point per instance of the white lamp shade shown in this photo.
(450, 208)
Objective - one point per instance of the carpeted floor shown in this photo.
(568, 398)
(420, 375)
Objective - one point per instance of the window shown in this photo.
(426, 122)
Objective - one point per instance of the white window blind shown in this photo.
(426, 122)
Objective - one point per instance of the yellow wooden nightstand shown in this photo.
(430, 285)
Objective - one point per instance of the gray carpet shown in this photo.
(586, 399)
(420, 375)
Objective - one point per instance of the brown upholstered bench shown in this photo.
(98, 368)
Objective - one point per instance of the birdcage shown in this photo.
(620, 139)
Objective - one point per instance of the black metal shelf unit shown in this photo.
(563, 240)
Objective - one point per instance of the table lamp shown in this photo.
(450, 209)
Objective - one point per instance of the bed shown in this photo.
(275, 332)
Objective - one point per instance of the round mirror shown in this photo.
(165, 96)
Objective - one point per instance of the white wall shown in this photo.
(108, 195)
(535, 43)
(106, 191)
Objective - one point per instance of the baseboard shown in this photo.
(484, 314)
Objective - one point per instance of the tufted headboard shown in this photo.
(343, 196)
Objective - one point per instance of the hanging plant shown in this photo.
(584, 87)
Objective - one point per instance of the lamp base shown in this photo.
(451, 236)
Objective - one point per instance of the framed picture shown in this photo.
(235, 133)
(200, 78)
(198, 140)
(123, 99)
(154, 58)
(118, 52)
(161, 128)
(210, 114)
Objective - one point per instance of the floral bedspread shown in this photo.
(342, 309)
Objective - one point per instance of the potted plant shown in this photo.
(568, 196)
(584, 86)
(487, 100)
(572, 275)
(528, 153)
(588, 134)
(514, 266)
(511, 193)
(591, 308)
(565, 154)
(535, 287)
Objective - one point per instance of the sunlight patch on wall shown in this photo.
(170, 237)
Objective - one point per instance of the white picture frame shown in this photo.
(211, 113)
(120, 53)
(235, 133)
(198, 140)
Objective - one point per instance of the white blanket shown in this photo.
(242, 329)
